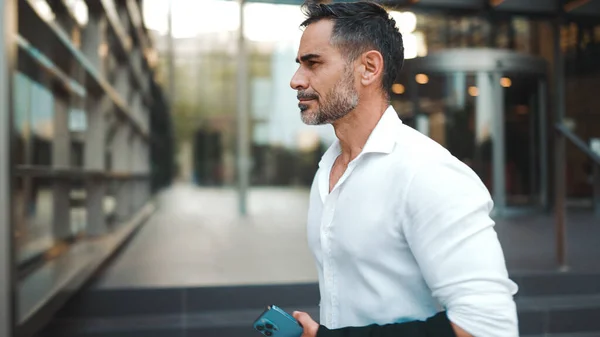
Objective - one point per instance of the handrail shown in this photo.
(560, 188)
(578, 142)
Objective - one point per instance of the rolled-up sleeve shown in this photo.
(451, 234)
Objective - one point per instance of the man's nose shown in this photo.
(299, 81)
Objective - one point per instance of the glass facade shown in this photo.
(442, 31)
(34, 200)
(89, 135)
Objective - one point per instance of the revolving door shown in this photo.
(488, 108)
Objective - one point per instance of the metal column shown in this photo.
(543, 116)
(122, 161)
(61, 159)
(596, 183)
(490, 123)
(137, 184)
(8, 29)
(533, 148)
(95, 160)
(243, 143)
(96, 107)
(93, 42)
(143, 168)
(498, 142)
(560, 189)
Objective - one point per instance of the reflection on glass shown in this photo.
(442, 31)
(22, 99)
(79, 10)
(43, 9)
(77, 120)
(42, 123)
(110, 201)
(34, 122)
(78, 212)
(33, 202)
(77, 127)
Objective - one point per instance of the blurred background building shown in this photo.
(109, 106)
(446, 103)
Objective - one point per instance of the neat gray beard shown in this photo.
(342, 99)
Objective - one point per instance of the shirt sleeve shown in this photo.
(451, 234)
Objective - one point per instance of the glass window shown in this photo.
(78, 211)
(443, 31)
(33, 202)
(77, 128)
(42, 122)
(22, 119)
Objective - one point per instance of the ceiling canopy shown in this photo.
(554, 8)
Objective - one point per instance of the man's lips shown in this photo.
(305, 99)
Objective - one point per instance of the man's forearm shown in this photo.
(436, 326)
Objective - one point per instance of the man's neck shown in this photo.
(354, 129)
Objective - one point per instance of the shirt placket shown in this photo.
(328, 263)
(329, 268)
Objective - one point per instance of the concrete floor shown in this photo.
(197, 239)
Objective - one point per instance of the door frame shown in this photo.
(8, 57)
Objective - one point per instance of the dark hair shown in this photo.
(360, 27)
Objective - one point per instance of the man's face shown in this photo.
(324, 79)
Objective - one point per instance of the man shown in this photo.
(400, 229)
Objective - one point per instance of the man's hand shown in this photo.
(308, 324)
(459, 331)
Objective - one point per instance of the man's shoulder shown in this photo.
(418, 154)
(414, 149)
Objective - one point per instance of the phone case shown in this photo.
(276, 322)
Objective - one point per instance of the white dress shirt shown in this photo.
(405, 233)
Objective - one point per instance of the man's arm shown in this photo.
(451, 235)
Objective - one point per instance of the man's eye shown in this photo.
(311, 63)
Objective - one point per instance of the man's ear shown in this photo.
(371, 67)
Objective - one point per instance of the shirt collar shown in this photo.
(382, 138)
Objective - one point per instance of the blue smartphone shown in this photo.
(274, 321)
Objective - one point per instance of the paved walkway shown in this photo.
(197, 239)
